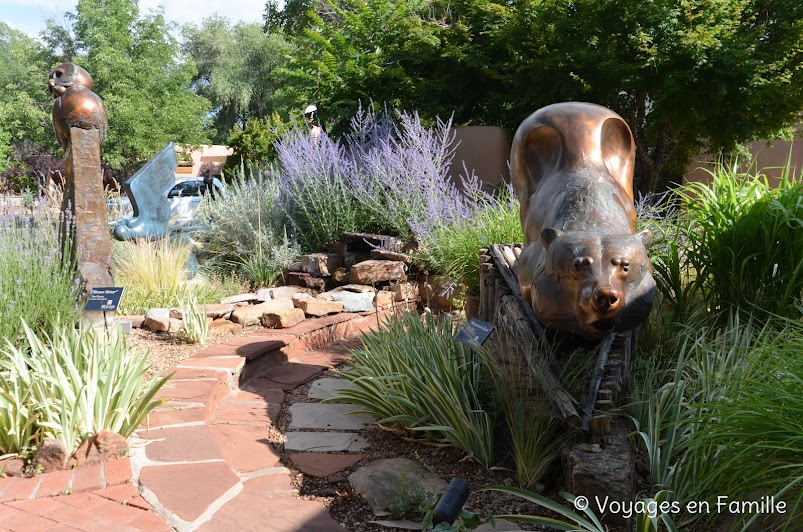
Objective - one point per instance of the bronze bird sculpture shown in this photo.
(74, 103)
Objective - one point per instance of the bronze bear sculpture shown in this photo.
(584, 268)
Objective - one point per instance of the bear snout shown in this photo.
(606, 299)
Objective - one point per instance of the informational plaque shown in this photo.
(105, 298)
(474, 333)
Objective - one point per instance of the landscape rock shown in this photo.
(51, 456)
(383, 254)
(136, 321)
(316, 306)
(159, 324)
(282, 319)
(12, 467)
(340, 275)
(252, 314)
(353, 301)
(157, 313)
(294, 267)
(321, 264)
(384, 299)
(325, 416)
(404, 291)
(212, 310)
(356, 288)
(435, 296)
(377, 271)
(226, 326)
(380, 480)
(305, 280)
(97, 449)
(239, 298)
(279, 292)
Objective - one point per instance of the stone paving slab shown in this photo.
(323, 442)
(288, 376)
(255, 413)
(187, 490)
(181, 444)
(329, 388)
(323, 465)
(249, 512)
(245, 448)
(328, 417)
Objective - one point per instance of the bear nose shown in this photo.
(606, 298)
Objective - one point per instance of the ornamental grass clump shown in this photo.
(35, 264)
(413, 375)
(452, 251)
(737, 243)
(70, 384)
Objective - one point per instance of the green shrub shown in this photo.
(71, 384)
(248, 231)
(34, 265)
(452, 251)
(724, 418)
(413, 374)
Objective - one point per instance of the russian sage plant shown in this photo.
(35, 263)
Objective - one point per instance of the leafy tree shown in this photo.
(141, 75)
(685, 75)
(25, 127)
(253, 144)
(238, 71)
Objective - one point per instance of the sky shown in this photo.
(29, 15)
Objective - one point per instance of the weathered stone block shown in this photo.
(252, 314)
(279, 292)
(353, 301)
(405, 291)
(281, 319)
(239, 298)
(315, 306)
(158, 324)
(321, 264)
(377, 271)
(384, 298)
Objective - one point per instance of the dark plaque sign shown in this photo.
(104, 298)
(474, 333)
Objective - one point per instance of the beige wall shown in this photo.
(485, 150)
(770, 160)
(208, 159)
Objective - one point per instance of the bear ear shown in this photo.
(646, 237)
(548, 235)
(618, 152)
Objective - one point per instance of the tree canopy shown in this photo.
(686, 76)
(239, 70)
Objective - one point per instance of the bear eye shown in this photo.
(623, 263)
(582, 262)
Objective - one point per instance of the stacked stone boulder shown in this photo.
(360, 274)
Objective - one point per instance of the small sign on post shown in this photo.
(474, 333)
(106, 298)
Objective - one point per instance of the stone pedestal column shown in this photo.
(85, 200)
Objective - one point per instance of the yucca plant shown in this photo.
(80, 382)
(412, 374)
(196, 325)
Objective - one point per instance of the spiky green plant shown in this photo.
(196, 325)
(75, 382)
(414, 375)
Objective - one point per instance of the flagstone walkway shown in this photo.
(205, 461)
